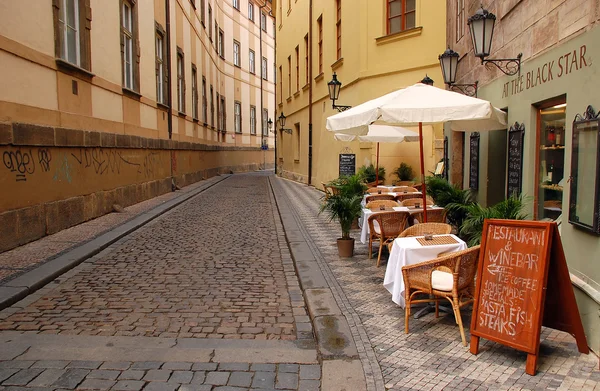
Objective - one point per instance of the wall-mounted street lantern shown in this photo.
(270, 124)
(334, 93)
(481, 26)
(282, 127)
(449, 64)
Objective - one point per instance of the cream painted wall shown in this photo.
(106, 49)
(27, 83)
(106, 105)
(28, 22)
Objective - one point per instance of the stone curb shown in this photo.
(18, 288)
(332, 331)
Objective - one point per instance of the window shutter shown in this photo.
(85, 37)
(58, 32)
(138, 53)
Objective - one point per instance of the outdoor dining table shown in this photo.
(364, 225)
(408, 251)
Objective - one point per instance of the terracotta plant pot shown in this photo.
(345, 247)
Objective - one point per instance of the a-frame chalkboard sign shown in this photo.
(522, 271)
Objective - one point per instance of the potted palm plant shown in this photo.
(345, 207)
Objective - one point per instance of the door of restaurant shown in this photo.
(550, 161)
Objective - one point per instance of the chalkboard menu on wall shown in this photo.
(347, 164)
(474, 161)
(516, 136)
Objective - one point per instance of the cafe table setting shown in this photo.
(412, 250)
(364, 227)
(394, 194)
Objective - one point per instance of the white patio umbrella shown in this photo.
(417, 105)
(381, 134)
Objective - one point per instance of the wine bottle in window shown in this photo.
(550, 170)
(551, 136)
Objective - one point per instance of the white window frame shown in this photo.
(64, 25)
(221, 44)
(237, 116)
(127, 31)
(265, 117)
(250, 11)
(236, 53)
(251, 62)
(263, 21)
(264, 68)
(181, 84)
(252, 119)
(236, 4)
(204, 102)
(160, 91)
(194, 93)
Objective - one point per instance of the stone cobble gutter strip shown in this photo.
(371, 368)
(18, 288)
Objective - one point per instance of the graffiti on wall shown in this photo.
(23, 162)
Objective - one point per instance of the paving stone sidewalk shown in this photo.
(432, 356)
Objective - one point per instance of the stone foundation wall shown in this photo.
(55, 178)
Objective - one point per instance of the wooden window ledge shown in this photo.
(73, 69)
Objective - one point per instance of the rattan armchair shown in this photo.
(386, 227)
(379, 197)
(426, 228)
(405, 183)
(377, 190)
(414, 201)
(450, 277)
(407, 196)
(433, 216)
(386, 203)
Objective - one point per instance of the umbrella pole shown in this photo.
(377, 167)
(423, 188)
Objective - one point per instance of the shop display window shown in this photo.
(551, 162)
(585, 162)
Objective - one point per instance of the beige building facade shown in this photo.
(374, 47)
(114, 102)
(539, 154)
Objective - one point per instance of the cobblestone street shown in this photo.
(217, 295)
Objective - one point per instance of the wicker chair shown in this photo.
(386, 227)
(400, 189)
(433, 216)
(386, 203)
(377, 190)
(426, 228)
(407, 196)
(328, 192)
(413, 201)
(450, 277)
(375, 183)
(378, 197)
(405, 183)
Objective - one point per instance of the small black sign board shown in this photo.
(347, 164)
(474, 161)
(516, 135)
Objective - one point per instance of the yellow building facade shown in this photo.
(374, 47)
(114, 102)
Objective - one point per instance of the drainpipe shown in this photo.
(275, 98)
(169, 93)
(169, 72)
(310, 89)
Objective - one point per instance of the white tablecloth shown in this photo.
(408, 251)
(364, 226)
